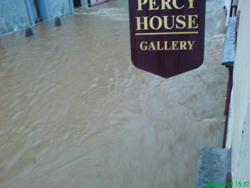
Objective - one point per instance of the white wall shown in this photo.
(59, 7)
(12, 22)
(84, 3)
(239, 132)
(227, 5)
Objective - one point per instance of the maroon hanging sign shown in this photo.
(167, 36)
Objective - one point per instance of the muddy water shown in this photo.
(74, 111)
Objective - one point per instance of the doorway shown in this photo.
(39, 17)
(77, 3)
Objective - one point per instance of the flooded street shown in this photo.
(75, 112)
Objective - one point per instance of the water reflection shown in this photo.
(74, 112)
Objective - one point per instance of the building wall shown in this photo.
(84, 3)
(13, 15)
(239, 132)
(59, 7)
(227, 5)
(19, 14)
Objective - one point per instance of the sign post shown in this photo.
(167, 36)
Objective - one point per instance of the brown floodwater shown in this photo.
(75, 112)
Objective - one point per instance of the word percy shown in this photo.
(165, 4)
(179, 22)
